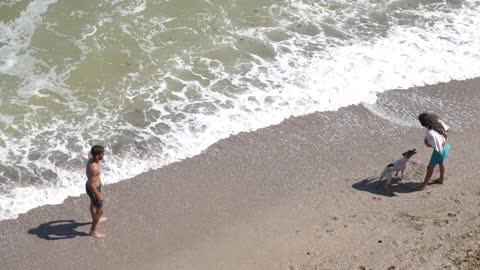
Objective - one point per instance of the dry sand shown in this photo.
(299, 195)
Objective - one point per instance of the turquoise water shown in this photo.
(158, 81)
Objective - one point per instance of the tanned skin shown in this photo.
(429, 173)
(93, 176)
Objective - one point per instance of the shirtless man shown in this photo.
(94, 188)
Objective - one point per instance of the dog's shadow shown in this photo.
(414, 170)
(58, 230)
(372, 185)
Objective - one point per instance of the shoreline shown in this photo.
(298, 194)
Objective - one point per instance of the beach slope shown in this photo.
(299, 195)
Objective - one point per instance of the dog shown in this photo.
(397, 166)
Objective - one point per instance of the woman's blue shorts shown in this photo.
(438, 158)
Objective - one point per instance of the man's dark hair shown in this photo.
(431, 121)
(97, 150)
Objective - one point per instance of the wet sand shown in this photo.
(299, 195)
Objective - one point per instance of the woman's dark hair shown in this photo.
(97, 150)
(431, 121)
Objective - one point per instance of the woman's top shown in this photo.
(435, 139)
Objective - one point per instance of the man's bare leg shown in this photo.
(93, 211)
(96, 219)
(427, 177)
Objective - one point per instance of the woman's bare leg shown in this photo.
(428, 175)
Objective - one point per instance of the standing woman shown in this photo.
(435, 138)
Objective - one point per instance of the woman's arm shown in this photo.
(425, 141)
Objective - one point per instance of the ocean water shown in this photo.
(156, 81)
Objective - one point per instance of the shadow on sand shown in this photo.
(372, 185)
(59, 229)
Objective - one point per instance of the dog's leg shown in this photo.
(381, 175)
(388, 181)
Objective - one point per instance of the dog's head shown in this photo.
(409, 153)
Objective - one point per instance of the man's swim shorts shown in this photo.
(93, 198)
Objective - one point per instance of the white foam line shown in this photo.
(89, 34)
(333, 78)
(18, 34)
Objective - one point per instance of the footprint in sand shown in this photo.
(419, 226)
(415, 221)
(441, 222)
(415, 170)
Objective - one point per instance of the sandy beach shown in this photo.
(301, 195)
